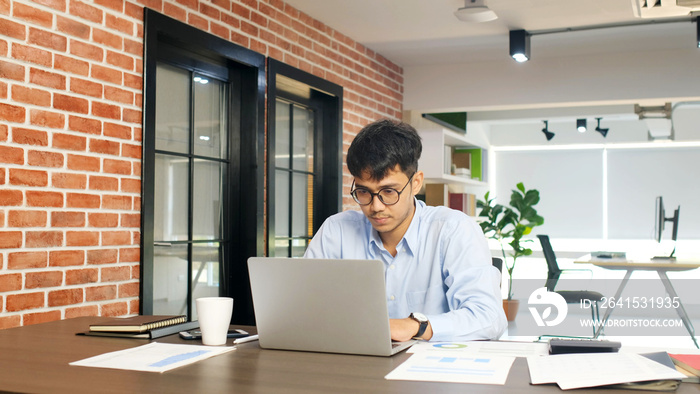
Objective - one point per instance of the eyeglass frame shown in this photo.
(352, 193)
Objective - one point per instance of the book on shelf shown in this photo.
(436, 194)
(465, 202)
(688, 362)
(150, 334)
(137, 324)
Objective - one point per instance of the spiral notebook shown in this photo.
(137, 324)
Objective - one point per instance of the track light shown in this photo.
(546, 131)
(520, 45)
(604, 132)
(697, 34)
(581, 125)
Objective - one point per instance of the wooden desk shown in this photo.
(661, 267)
(35, 359)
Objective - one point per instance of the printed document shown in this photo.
(485, 348)
(153, 357)
(454, 368)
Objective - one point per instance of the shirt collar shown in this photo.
(410, 239)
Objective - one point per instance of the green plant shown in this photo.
(510, 223)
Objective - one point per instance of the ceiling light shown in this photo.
(475, 11)
(520, 45)
(581, 125)
(546, 131)
(604, 132)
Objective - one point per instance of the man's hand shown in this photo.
(404, 329)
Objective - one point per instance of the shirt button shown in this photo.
(391, 298)
(391, 267)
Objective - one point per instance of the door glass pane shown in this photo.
(170, 280)
(172, 109)
(282, 247)
(206, 207)
(303, 139)
(205, 272)
(171, 201)
(209, 120)
(281, 203)
(298, 247)
(301, 205)
(282, 133)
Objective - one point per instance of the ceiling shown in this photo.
(426, 32)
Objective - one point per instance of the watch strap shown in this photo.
(422, 326)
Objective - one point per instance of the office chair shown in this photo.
(571, 296)
(497, 262)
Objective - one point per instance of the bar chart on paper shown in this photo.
(454, 368)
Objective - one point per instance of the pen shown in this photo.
(249, 338)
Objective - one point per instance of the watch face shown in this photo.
(419, 316)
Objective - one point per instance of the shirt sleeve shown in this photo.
(473, 287)
(326, 243)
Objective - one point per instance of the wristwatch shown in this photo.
(422, 320)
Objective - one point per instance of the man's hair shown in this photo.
(380, 146)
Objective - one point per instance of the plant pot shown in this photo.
(511, 308)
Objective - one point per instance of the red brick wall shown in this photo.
(71, 78)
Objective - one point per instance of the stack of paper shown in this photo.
(572, 371)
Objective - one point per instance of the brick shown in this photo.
(12, 113)
(103, 183)
(102, 256)
(82, 238)
(122, 61)
(70, 104)
(28, 177)
(175, 12)
(86, 51)
(106, 74)
(120, 24)
(41, 317)
(106, 39)
(11, 155)
(115, 309)
(83, 163)
(20, 302)
(72, 27)
(82, 276)
(86, 11)
(69, 181)
(10, 321)
(67, 219)
(80, 200)
(13, 29)
(116, 167)
(134, 306)
(29, 136)
(44, 199)
(26, 95)
(117, 131)
(65, 297)
(129, 255)
(132, 151)
(10, 240)
(106, 110)
(69, 142)
(102, 219)
(88, 88)
(100, 293)
(32, 55)
(110, 238)
(133, 81)
(115, 274)
(10, 282)
(26, 218)
(46, 118)
(46, 78)
(43, 239)
(84, 125)
(10, 70)
(104, 146)
(35, 280)
(3, 132)
(90, 310)
(128, 290)
(116, 202)
(131, 185)
(11, 197)
(44, 159)
(47, 39)
(65, 258)
(24, 260)
(32, 15)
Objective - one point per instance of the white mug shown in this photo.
(214, 315)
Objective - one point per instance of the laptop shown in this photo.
(322, 305)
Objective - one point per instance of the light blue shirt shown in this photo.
(442, 269)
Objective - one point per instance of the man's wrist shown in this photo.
(422, 323)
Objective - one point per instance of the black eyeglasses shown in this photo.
(388, 195)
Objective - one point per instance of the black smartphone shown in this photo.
(197, 334)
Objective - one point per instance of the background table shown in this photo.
(35, 359)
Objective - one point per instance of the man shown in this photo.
(440, 283)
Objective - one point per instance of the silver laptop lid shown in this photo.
(321, 305)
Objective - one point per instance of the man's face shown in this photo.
(391, 219)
